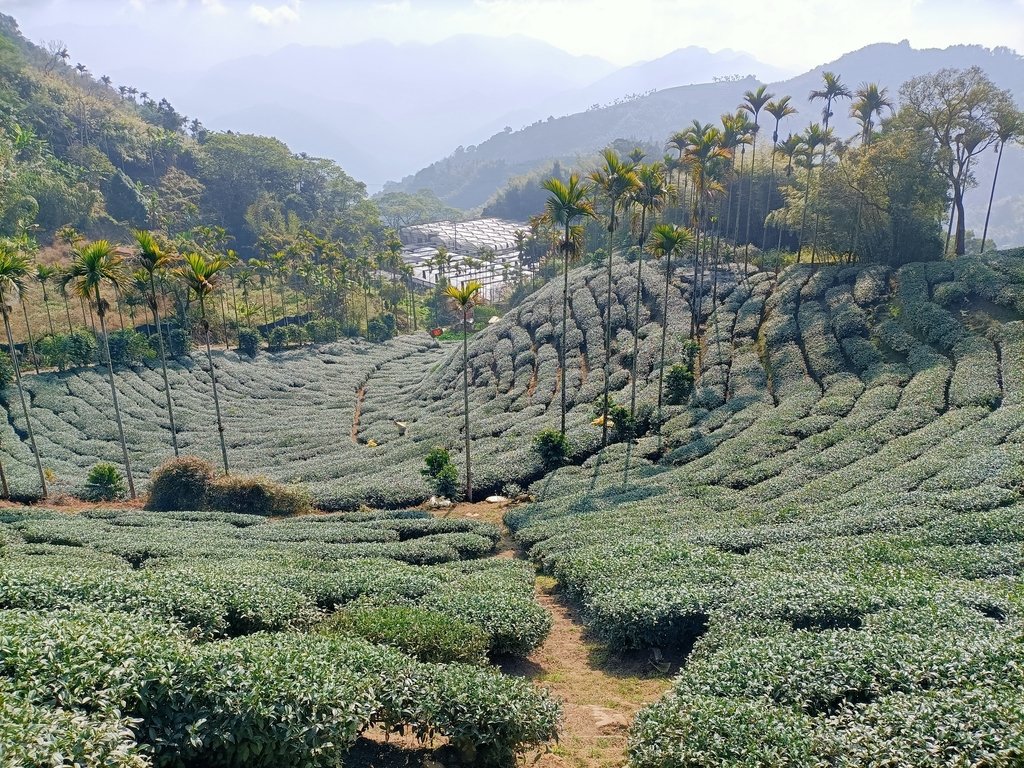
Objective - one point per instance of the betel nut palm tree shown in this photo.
(566, 203)
(616, 180)
(464, 298)
(779, 110)
(651, 196)
(92, 267)
(200, 276)
(753, 102)
(667, 240)
(153, 259)
(834, 89)
(14, 271)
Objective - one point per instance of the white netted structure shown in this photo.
(486, 250)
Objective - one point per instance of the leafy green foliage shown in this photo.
(441, 473)
(249, 341)
(552, 447)
(129, 347)
(70, 350)
(425, 634)
(104, 483)
(6, 370)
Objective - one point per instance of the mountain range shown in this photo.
(384, 110)
(468, 177)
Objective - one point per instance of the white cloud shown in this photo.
(215, 7)
(286, 13)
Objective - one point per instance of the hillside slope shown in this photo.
(771, 350)
(310, 416)
(836, 535)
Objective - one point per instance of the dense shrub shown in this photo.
(255, 496)
(69, 350)
(428, 635)
(179, 342)
(104, 483)
(249, 341)
(552, 447)
(678, 384)
(179, 483)
(129, 347)
(323, 330)
(6, 370)
(440, 473)
(277, 339)
(382, 328)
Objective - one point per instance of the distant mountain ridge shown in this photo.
(468, 177)
(383, 109)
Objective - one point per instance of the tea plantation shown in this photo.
(141, 638)
(830, 530)
(836, 532)
(325, 416)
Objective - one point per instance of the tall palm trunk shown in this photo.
(991, 196)
(3, 482)
(67, 311)
(31, 341)
(113, 394)
(565, 316)
(739, 202)
(24, 404)
(750, 200)
(213, 380)
(465, 400)
(608, 326)
(803, 221)
(664, 333)
(49, 317)
(768, 196)
(163, 362)
(636, 310)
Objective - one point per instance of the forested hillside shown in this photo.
(79, 151)
(470, 176)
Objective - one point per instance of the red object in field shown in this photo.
(435, 332)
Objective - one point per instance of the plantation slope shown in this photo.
(131, 639)
(836, 532)
(293, 416)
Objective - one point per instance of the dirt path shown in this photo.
(357, 413)
(600, 693)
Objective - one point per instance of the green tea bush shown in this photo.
(249, 341)
(552, 447)
(129, 347)
(428, 635)
(255, 496)
(104, 483)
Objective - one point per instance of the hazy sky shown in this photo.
(109, 35)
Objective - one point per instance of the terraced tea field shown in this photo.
(836, 533)
(325, 417)
(831, 530)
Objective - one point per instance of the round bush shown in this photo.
(428, 635)
(180, 484)
(255, 496)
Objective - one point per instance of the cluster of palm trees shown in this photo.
(98, 267)
(707, 195)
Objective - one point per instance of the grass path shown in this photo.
(600, 693)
